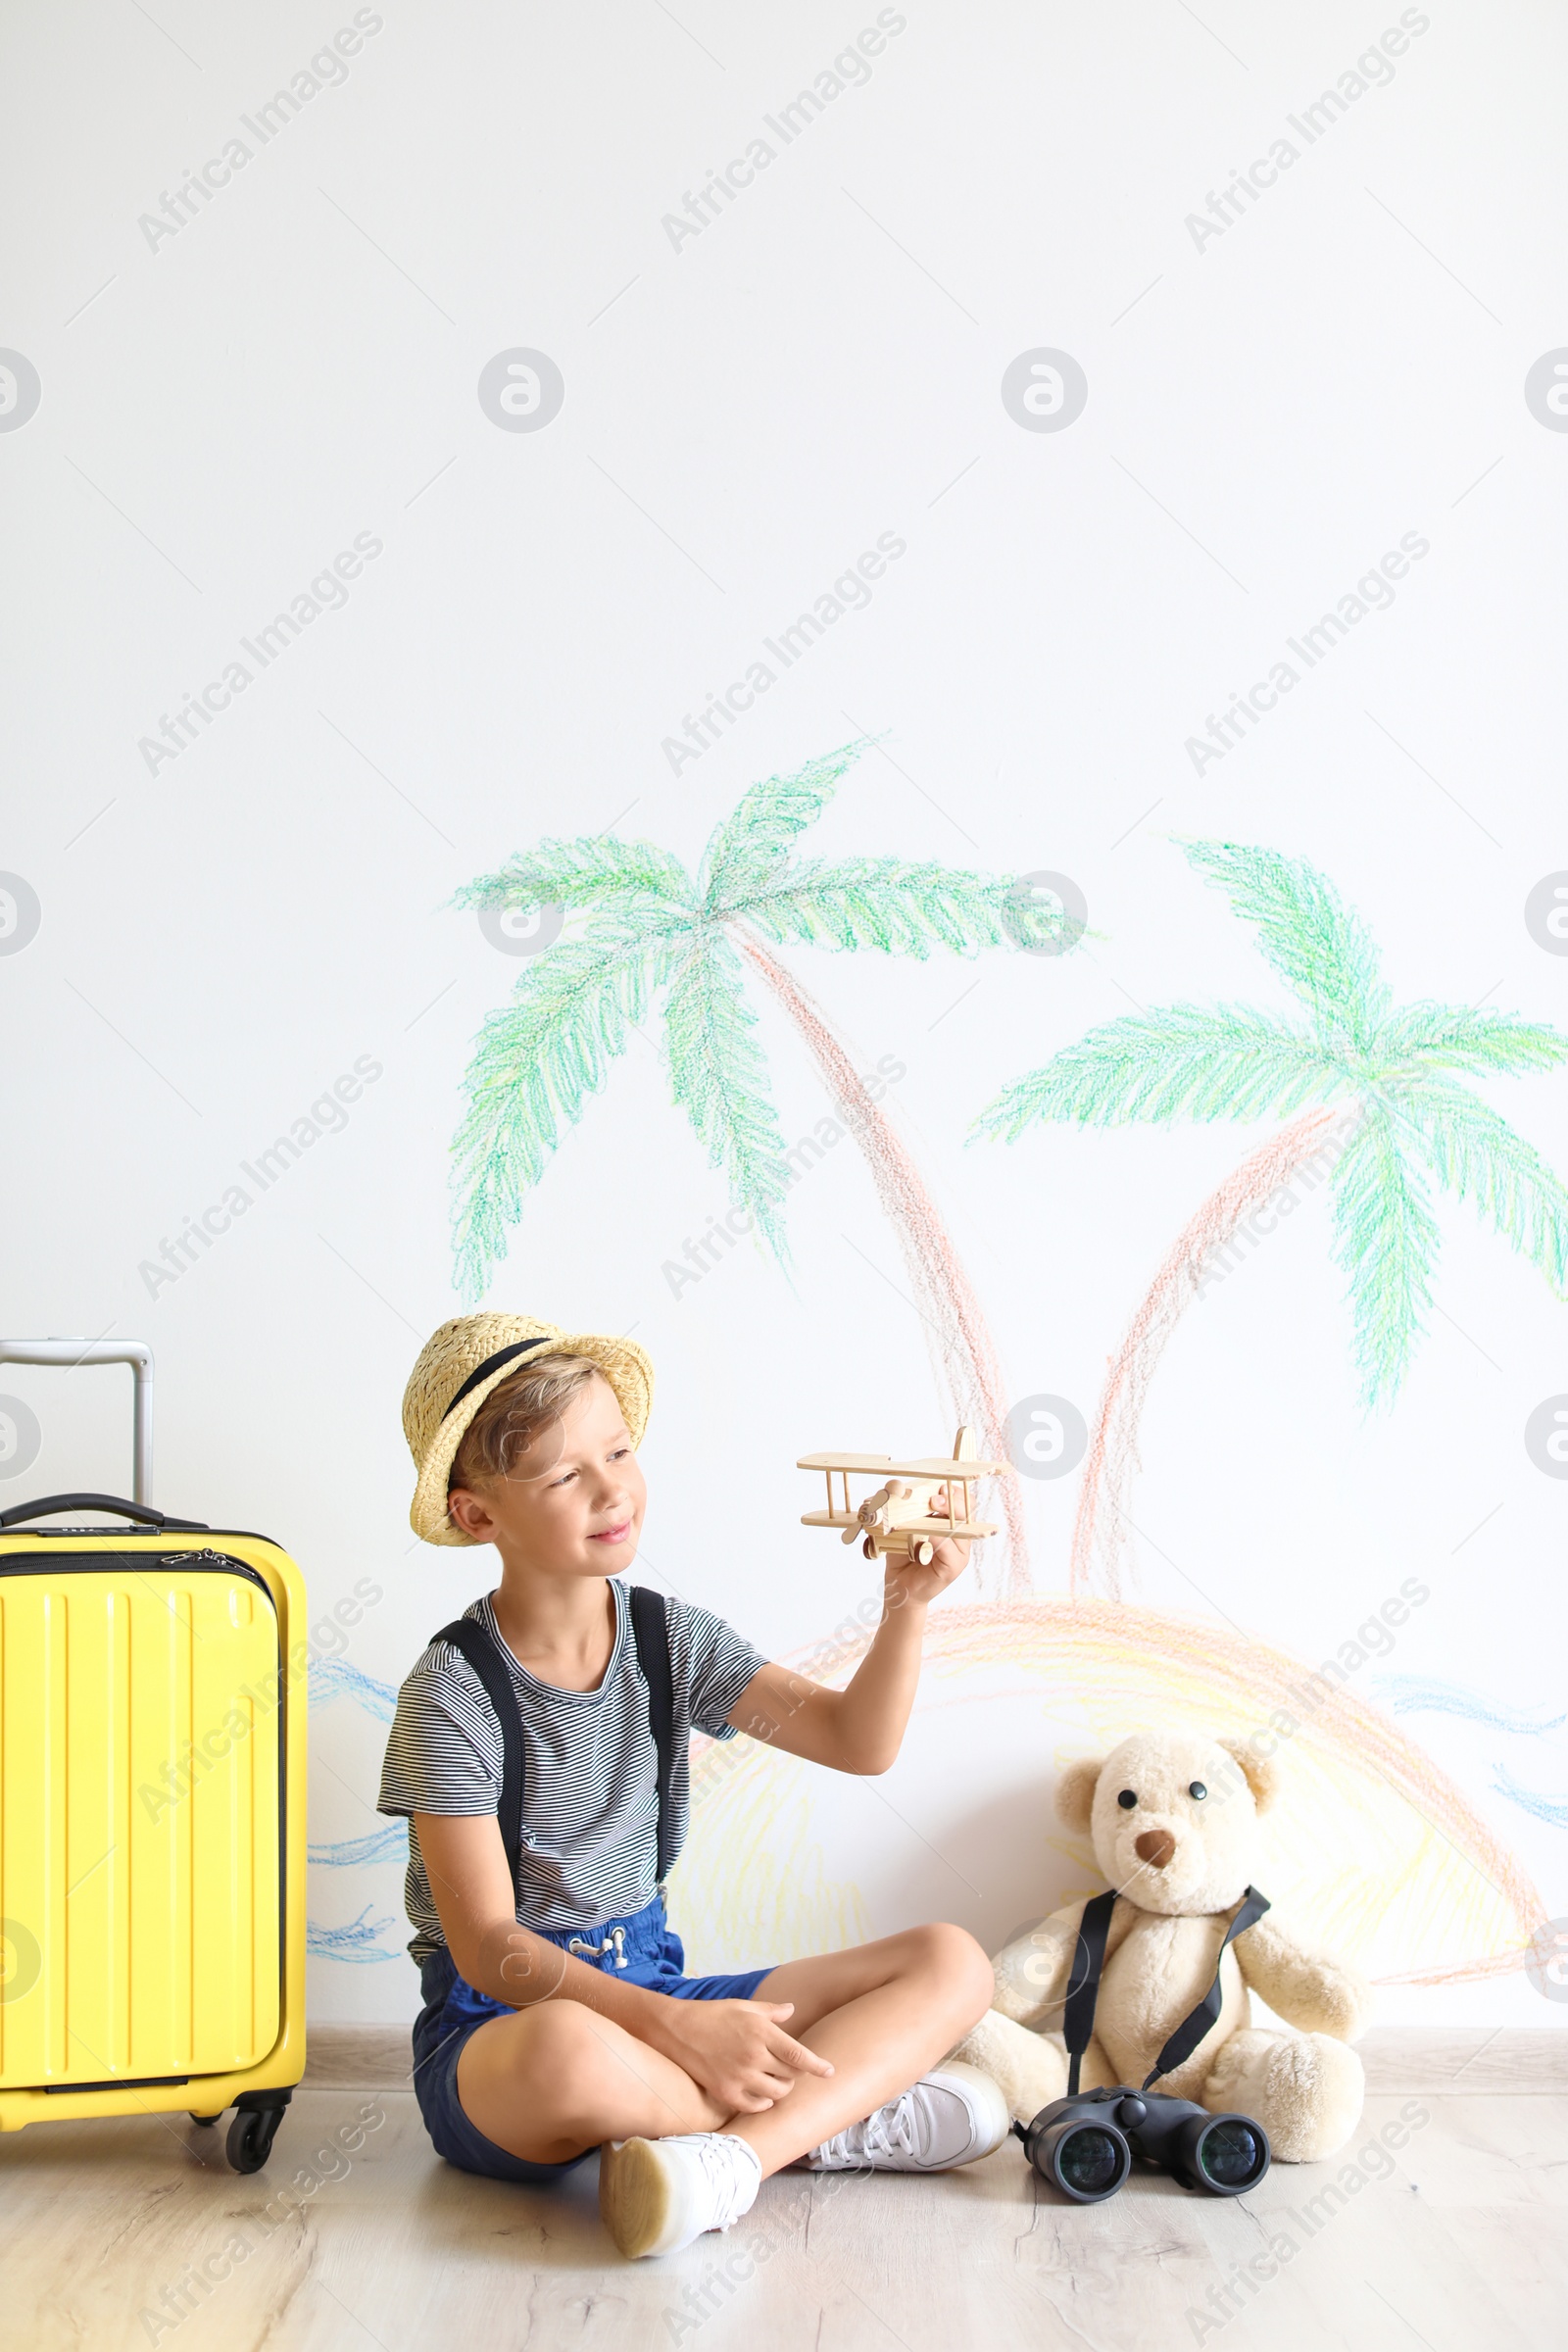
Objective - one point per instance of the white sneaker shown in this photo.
(655, 2196)
(952, 2115)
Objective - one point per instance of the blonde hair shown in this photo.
(512, 1415)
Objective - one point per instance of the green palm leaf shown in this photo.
(1458, 1037)
(1186, 1061)
(1317, 945)
(536, 1063)
(1385, 1238)
(1400, 1063)
(648, 925)
(719, 1079)
(625, 877)
(1481, 1159)
(895, 906)
(760, 829)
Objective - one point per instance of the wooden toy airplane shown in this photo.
(897, 1516)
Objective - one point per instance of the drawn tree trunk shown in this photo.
(1100, 1539)
(962, 1351)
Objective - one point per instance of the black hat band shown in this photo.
(502, 1355)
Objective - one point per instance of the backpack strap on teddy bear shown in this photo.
(1083, 1987)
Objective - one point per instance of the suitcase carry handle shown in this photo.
(134, 1353)
(143, 1511)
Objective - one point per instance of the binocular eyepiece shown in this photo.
(1085, 2145)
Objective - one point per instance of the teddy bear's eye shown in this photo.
(1197, 1789)
(1127, 1800)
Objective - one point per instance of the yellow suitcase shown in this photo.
(151, 1808)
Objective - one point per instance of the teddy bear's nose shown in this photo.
(1155, 1847)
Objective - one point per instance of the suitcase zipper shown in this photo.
(206, 1561)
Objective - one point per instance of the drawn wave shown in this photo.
(389, 1844)
(334, 1679)
(357, 1941)
(1413, 1695)
(1553, 1809)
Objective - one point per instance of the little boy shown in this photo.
(554, 1717)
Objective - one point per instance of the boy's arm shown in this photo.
(465, 1864)
(860, 1729)
(737, 2050)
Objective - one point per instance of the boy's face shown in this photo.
(572, 1503)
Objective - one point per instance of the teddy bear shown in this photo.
(1173, 1818)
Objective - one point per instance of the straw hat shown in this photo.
(461, 1363)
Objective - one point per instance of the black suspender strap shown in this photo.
(1083, 1987)
(1190, 2032)
(650, 1625)
(480, 1648)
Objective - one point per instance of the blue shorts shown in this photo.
(453, 2010)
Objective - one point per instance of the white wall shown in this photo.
(222, 933)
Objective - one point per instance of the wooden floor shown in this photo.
(115, 2235)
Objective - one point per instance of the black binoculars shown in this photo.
(1085, 2145)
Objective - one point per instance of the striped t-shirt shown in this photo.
(590, 1806)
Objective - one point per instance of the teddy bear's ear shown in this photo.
(1261, 1773)
(1075, 1793)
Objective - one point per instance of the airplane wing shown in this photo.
(914, 1526)
(941, 1466)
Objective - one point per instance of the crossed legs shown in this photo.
(556, 2080)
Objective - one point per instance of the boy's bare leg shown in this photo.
(553, 2081)
(884, 2014)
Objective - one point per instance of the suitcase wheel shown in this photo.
(251, 2136)
(205, 2121)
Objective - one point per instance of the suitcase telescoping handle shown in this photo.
(71, 1352)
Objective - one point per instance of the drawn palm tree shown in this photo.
(1389, 1120)
(650, 930)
